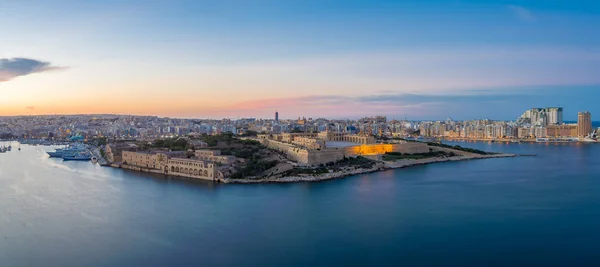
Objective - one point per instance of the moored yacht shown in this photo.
(60, 152)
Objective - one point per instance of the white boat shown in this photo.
(590, 138)
(77, 156)
(60, 152)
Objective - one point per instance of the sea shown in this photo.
(525, 211)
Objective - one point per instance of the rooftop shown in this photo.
(334, 144)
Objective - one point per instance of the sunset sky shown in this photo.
(314, 58)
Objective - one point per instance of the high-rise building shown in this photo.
(542, 117)
(276, 116)
(555, 115)
(584, 123)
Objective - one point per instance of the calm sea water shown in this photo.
(530, 211)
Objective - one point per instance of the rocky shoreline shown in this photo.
(387, 165)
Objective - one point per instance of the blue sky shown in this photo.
(415, 59)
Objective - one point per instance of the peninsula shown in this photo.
(279, 158)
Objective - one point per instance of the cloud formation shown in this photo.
(393, 104)
(11, 68)
(493, 103)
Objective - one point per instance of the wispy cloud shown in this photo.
(492, 103)
(395, 104)
(522, 13)
(11, 68)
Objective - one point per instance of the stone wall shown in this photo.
(292, 152)
(314, 157)
(411, 148)
(325, 156)
(191, 168)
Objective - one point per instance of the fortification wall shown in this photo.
(325, 156)
(292, 152)
(411, 148)
(314, 157)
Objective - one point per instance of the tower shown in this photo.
(584, 123)
(276, 116)
(555, 115)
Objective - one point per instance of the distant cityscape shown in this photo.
(259, 150)
(533, 123)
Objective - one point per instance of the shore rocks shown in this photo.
(378, 167)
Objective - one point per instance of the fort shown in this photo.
(313, 149)
(163, 163)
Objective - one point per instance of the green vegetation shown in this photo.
(174, 144)
(214, 140)
(249, 133)
(254, 167)
(102, 153)
(460, 148)
(99, 141)
(393, 156)
(258, 157)
(244, 149)
(244, 152)
(355, 162)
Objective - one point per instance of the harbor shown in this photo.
(96, 216)
(67, 151)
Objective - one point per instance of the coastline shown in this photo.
(382, 166)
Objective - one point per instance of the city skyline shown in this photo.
(209, 59)
(276, 117)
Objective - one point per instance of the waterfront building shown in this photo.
(540, 131)
(565, 130)
(163, 163)
(113, 152)
(584, 123)
(191, 168)
(143, 159)
(523, 132)
(214, 156)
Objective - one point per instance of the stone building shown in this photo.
(345, 137)
(191, 168)
(310, 143)
(144, 159)
(113, 152)
(162, 163)
(214, 156)
(305, 156)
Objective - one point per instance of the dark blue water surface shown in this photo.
(529, 211)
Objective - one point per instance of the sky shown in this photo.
(425, 59)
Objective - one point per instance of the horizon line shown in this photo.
(238, 118)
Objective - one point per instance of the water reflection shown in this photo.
(57, 213)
